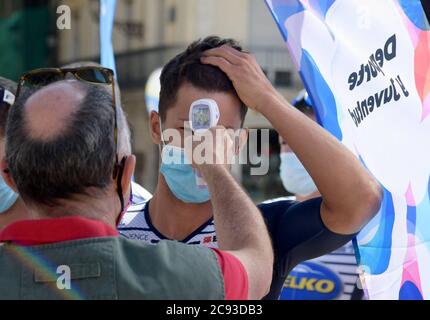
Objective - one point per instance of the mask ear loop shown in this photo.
(121, 196)
(162, 144)
(119, 170)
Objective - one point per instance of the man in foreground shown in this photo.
(63, 159)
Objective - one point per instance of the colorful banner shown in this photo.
(152, 90)
(366, 66)
(107, 15)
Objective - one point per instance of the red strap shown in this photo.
(235, 276)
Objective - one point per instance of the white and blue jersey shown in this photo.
(140, 194)
(136, 224)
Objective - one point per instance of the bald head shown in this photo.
(49, 112)
(60, 141)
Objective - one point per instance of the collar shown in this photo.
(45, 231)
(162, 236)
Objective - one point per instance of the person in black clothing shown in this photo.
(218, 69)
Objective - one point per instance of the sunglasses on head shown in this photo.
(97, 75)
(43, 77)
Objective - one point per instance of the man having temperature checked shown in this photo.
(217, 69)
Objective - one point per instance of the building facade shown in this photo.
(147, 33)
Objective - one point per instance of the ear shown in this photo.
(6, 175)
(243, 138)
(154, 127)
(127, 175)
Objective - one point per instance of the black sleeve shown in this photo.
(298, 234)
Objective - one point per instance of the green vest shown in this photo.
(109, 268)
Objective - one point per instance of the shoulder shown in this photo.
(173, 265)
(134, 223)
(278, 202)
(289, 204)
(272, 208)
(135, 215)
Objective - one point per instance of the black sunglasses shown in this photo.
(96, 75)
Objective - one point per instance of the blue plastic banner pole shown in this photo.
(107, 15)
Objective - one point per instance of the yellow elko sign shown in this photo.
(311, 281)
(309, 284)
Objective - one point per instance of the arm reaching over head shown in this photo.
(351, 196)
(241, 230)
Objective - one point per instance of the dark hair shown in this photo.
(80, 157)
(4, 107)
(186, 67)
(124, 139)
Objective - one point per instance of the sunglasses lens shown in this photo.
(94, 75)
(42, 78)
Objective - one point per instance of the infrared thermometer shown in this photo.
(204, 114)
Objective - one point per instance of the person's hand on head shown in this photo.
(249, 80)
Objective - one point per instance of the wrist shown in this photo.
(268, 100)
(210, 171)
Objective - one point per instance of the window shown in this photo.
(283, 79)
(172, 14)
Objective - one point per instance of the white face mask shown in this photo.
(294, 176)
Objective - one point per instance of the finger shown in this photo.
(229, 141)
(241, 54)
(219, 131)
(230, 133)
(219, 62)
(229, 147)
(232, 55)
(225, 52)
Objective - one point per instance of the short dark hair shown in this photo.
(4, 107)
(187, 68)
(79, 158)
